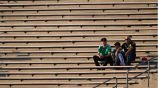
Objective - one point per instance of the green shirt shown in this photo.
(104, 50)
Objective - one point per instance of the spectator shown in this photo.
(118, 55)
(129, 48)
(104, 54)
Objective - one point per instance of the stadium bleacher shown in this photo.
(50, 43)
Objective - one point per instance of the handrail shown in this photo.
(108, 81)
(147, 70)
(129, 79)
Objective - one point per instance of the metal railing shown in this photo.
(108, 81)
(129, 79)
(147, 70)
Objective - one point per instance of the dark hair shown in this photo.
(103, 39)
(117, 44)
(129, 36)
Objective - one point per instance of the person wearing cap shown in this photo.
(118, 55)
(129, 48)
(104, 54)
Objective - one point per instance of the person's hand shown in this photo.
(100, 56)
(116, 53)
(126, 54)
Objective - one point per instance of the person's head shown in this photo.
(117, 45)
(104, 41)
(128, 39)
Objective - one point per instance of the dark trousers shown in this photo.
(106, 60)
(130, 58)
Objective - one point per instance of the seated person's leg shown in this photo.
(105, 63)
(111, 62)
(121, 59)
(129, 59)
(117, 61)
(96, 59)
(133, 57)
(108, 60)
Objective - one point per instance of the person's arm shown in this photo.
(117, 51)
(123, 47)
(99, 51)
(108, 55)
(99, 55)
(130, 49)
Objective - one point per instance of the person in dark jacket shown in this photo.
(129, 48)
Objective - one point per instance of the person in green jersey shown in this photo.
(104, 54)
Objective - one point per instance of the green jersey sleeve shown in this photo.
(100, 49)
